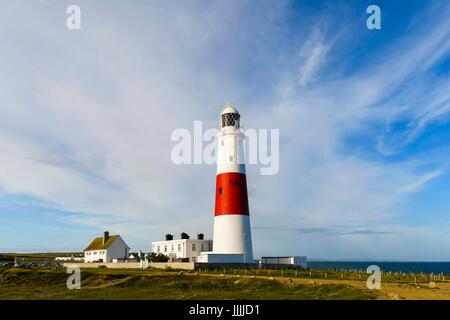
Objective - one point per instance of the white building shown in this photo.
(183, 248)
(292, 260)
(106, 248)
(69, 258)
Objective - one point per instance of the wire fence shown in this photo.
(332, 274)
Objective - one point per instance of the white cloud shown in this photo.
(85, 121)
(313, 54)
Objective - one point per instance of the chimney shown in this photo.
(105, 236)
(200, 236)
(184, 235)
(169, 237)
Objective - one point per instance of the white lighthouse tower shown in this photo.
(232, 235)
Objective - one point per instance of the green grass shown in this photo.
(38, 258)
(156, 284)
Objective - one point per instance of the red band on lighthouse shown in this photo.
(231, 194)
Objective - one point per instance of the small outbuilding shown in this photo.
(290, 260)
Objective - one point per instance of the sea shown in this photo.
(385, 266)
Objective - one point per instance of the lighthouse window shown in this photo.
(230, 120)
(220, 190)
(231, 158)
(221, 142)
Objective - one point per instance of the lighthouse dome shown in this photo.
(230, 118)
(229, 109)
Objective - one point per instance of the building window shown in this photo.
(221, 142)
(231, 158)
(157, 248)
(179, 247)
(193, 247)
(202, 246)
(165, 248)
(171, 249)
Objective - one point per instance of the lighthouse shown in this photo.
(232, 240)
(232, 234)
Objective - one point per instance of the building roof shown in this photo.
(178, 240)
(97, 243)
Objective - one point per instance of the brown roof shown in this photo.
(97, 243)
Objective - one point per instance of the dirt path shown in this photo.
(388, 291)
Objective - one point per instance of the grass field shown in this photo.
(154, 284)
(220, 284)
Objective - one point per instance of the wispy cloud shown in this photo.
(420, 182)
(313, 55)
(336, 231)
(91, 135)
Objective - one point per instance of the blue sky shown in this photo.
(86, 118)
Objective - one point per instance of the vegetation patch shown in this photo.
(104, 284)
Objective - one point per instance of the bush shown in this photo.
(157, 257)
